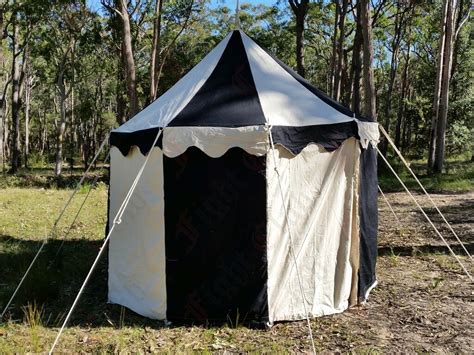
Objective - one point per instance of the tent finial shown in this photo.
(237, 20)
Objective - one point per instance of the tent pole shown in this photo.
(384, 132)
(292, 248)
(424, 214)
(117, 220)
(53, 229)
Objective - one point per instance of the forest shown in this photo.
(71, 70)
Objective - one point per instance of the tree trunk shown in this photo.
(395, 47)
(300, 9)
(340, 51)
(28, 89)
(368, 57)
(333, 69)
(444, 91)
(356, 62)
(3, 93)
(15, 139)
(127, 49)
(401, 101)
(439, 74)
(61, 127)
(155, 50)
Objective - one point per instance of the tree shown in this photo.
(338, 47)
(16, 77)
(300, 10)
(368, 58)
(448, 37)
(155, 50)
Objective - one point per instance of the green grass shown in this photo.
(459, 177)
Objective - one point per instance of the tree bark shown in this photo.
(356, 61)
(300, 9)
(401, 101)
(3, 93)
(333, 69)
(395, 48)
(340, 51)
(368, 58)
(15, 139)
(129, 60)
(155, 50)
(61, 128)
(444, 91)
(29, 83)
(439, 74)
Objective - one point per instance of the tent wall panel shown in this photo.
(215, 212)
(319, 192)
(137, 247)
(368, 214)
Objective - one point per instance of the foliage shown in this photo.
(85, 43)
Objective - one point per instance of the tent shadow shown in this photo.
(53, 283)
(412, 250)
(56, 277)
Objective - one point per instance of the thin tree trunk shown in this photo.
(340, 50)
(368, 57)
(127, 49)
(61, 127)
(29, 83)
(356, 61)
(155, 50)
(300, 9)
(437, 93)
(401, 101)
(395, 47)
(346, 84)
(334, 50)
(15, 139)
(444, 92)
(2, 98)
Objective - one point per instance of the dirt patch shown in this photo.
(423, 303)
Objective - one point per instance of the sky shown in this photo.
(95, 4)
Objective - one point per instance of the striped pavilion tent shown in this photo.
(259, 198)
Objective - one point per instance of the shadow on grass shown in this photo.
(413, 250)
(54, 281)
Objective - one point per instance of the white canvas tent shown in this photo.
(252, 163)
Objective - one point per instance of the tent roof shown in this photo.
(239, 84)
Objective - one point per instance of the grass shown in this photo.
(459, 177)
(29, 204)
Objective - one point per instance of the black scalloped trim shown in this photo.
(295, 139)
(143, 139)
(329, 136)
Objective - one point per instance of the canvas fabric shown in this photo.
(320, 199)
(137, 275)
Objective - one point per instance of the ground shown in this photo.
(423, 302)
